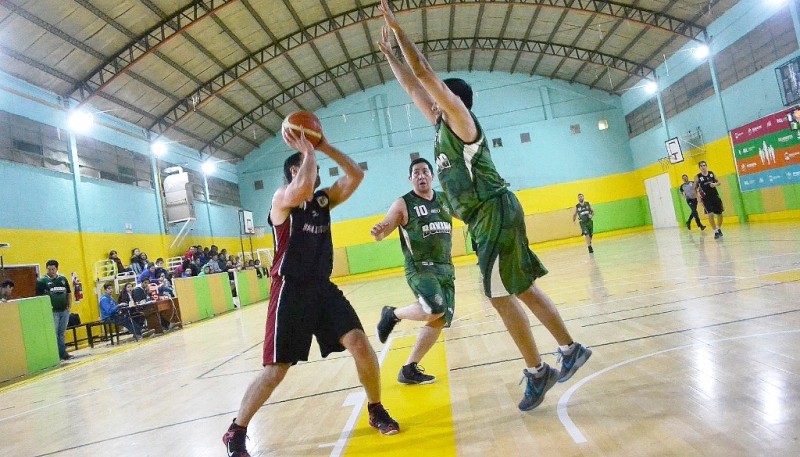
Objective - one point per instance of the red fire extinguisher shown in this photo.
(77, 287)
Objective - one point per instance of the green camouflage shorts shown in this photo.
(507, 264)
(435, 291)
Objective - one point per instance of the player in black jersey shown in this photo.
(303, 301)
(706, 183)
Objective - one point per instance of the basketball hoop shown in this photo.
(665, 163)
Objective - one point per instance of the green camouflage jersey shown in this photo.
(584, 210)
(426, 239)
(466, 171)
(57, 288)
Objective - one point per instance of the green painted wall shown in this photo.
(374, 256)
(203, 290)
(619, 214)
(38, 333)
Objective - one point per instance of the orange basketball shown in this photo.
(304, 121)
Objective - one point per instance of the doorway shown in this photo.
(659, 195)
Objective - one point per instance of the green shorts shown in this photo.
(587, 227)
(435, 291)
(508, 266)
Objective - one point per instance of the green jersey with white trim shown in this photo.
(466, 171)
(584, 211)
(426, 239)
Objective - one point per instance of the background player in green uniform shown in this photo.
(585, 212)
(425, 222)
(479, 197)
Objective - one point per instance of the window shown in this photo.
(525, 137)
(258, 185)
(333, 171)
(497, 142)
(575, 129)
(688, 91)
(363, 166)
(643, 118)
(29, 142)
(414, 156)
(770, 41)
(100, 160)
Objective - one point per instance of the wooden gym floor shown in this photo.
(694, 354)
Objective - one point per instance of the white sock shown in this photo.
(567, 349)
(537, 369)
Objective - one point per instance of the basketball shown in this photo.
(306, 122)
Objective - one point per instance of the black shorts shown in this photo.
(300, 309)
(712, 204)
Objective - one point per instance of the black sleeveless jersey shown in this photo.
(705, 184)
(303, 244)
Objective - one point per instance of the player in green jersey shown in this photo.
(423, 216)
(585, 212)
(479, 197)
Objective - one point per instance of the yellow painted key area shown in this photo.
(423, 411)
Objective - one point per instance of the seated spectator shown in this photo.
(114, 257)
(165, 288)
(161, 269)
(137, 265)
(222, 259)
(189, 254)
(196, 266)
(182, 270)
(149, 273)
(206, 270)
(261, 272)
(125, 297)
(142, 292)
(147, 292)
(6, 289)
(213, 263)
(143, 259)
(110, 311)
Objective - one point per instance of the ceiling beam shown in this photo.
(376, 58)
(145, 45)
(371, 12)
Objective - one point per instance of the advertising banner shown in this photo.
(767, 151)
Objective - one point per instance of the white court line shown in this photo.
(356, 400)
(563, 415)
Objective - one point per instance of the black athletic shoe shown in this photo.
(387, 323)
(720, 232)
(414, 374)
(234, 440)
(591, 251)
(717, 235)
(380, 419)
(689, 225)
(702, 227)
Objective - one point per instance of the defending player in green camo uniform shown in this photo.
(479, 197)
(423, 216)
(585, 212)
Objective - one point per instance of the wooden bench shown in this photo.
(75, 339)
(109, 331)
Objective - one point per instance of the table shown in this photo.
(169, 308)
